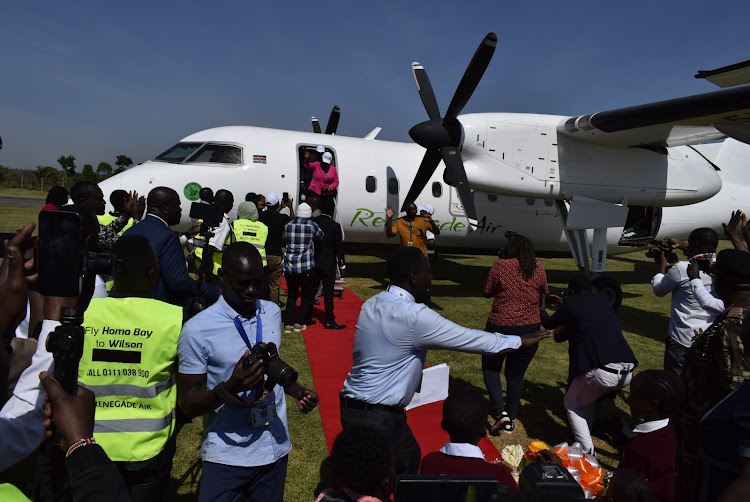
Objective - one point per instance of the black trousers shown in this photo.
(405, 451)
(305, 285)
(328, 278)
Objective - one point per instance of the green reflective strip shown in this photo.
(131, 390)
(134, 424)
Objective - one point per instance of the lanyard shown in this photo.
(258, 330)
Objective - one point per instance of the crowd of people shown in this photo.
(191, 324)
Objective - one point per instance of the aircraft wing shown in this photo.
(681, 121)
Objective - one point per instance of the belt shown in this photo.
(616, 372)
(356, 404)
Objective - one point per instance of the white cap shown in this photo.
(272, 199)
(428, 209)
(321, 149)
(327, 157)
(304, 210)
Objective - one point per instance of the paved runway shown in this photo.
(21, 202)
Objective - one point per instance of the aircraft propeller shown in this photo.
(441, 137)
(333, 122)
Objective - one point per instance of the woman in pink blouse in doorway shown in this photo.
(324, 181)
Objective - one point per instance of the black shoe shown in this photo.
(333, 325)
(311, 322)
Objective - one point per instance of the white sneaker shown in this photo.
(298, 328)
(288, 328)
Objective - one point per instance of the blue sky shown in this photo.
(98, 79)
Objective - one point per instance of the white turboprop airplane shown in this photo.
(657, 169)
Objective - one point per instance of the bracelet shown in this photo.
(78, 444)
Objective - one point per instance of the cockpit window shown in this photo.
(221, 154)
(179, 152)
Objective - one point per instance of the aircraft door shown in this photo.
(315, 180)
(456, 208)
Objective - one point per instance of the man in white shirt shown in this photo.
(394, 332)
(687, 314)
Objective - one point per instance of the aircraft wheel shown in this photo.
(610, 289)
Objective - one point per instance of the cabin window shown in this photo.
(393, 186)
(179, 152)
(218, 154)
(437, 189)
(492, 197)
(371, 184)
(530, 201)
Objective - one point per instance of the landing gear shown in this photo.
(592, 258)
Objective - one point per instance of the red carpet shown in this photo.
(330, 354)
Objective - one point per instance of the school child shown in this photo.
(654, 398)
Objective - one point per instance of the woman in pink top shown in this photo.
(518, 283)
(324, 181)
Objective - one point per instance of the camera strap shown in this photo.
(258, 330)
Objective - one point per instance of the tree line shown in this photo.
(45, 177)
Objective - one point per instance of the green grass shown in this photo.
(457, 295)
(19, 192)
(13, 217)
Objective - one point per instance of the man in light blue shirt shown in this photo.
(394, 331)
(245, 433)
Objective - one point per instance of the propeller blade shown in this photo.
(315, 125)
(429, 163)
(333, 120)
(425, 90)
(473, 75)
(455, 166)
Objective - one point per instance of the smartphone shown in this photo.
(285, 197)
(59, 253)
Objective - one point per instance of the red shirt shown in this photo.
(516, 299)
(439, 463)
(49, 207)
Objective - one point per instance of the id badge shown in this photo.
(409, 244)
(263, 415)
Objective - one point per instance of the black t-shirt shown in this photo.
(275, 222)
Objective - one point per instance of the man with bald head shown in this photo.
(174, 285)
(246, 436)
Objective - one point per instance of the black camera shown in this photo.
(278, 371)
(662, 247)
(66, 269)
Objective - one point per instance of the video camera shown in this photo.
(210, 216)
(278, 371)
(66, 269)
(662, 247)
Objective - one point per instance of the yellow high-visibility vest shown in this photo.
(253, 232)
(130, 364)
(106, 218)
(217, 256)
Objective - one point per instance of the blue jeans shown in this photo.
(264, 483)
(516, 363)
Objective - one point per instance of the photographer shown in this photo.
(209, 256)
(21, 430)
(133, 377)
(246, 436)
(687, 314)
